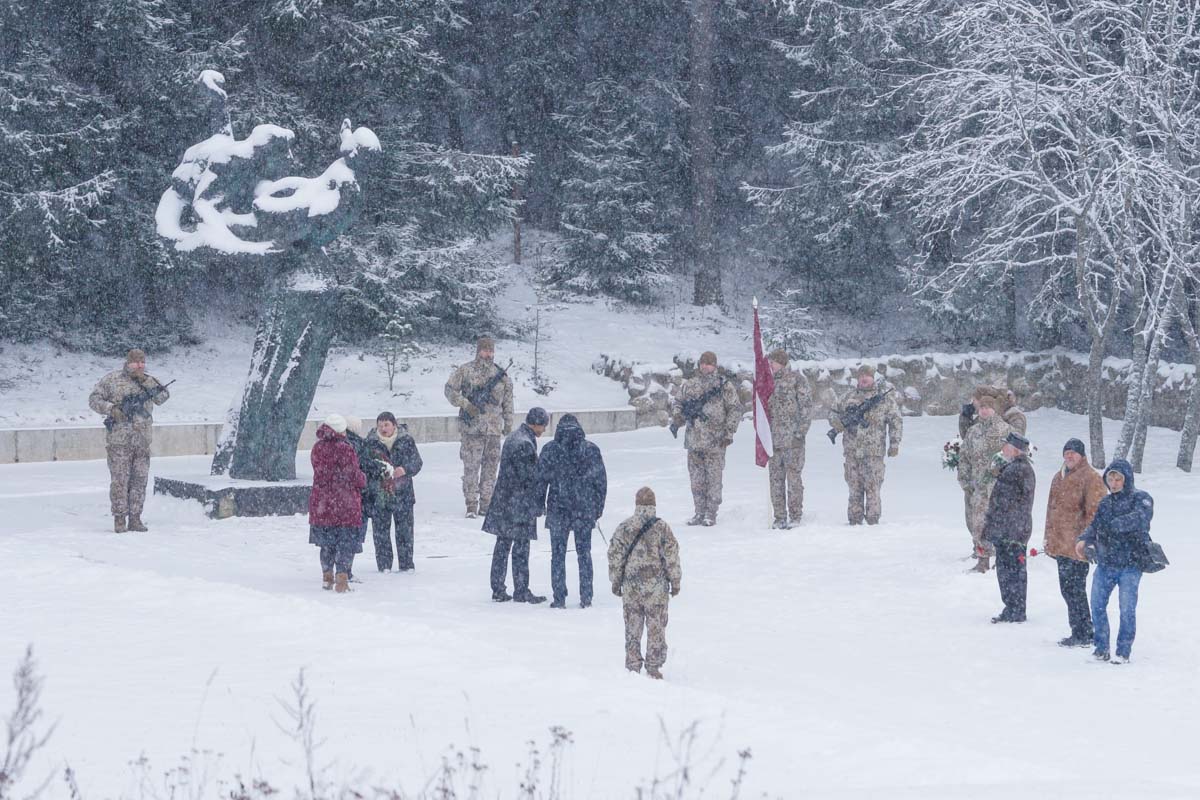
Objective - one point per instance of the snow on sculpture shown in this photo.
(237, 197)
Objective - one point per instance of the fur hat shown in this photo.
(337, 422)
(537, 416)
(645, 497)
(135, 355)
(708, 357)
(485, 343)
(779, 356)
(864, 370)
(985, 401)
(354, 424)
(1018, 441)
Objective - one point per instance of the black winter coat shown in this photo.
(1009, 517)
(573, 471)
(519, 497)
(370, 467)
(1121, 527)
(398, 492)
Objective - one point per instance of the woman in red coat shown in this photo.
(335, 505)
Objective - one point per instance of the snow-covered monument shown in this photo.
(237, 198)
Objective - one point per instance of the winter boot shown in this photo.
(1120, 659)
(779, 525)
(1100, 655)
(136, 524)
(119, 523)
(696, 520)
(501, 597)
(982, 564)
(326, 580)
(528, 597)
(654, 672)
(585, 603)
(709, 521)
(342, 584)
(558, 604)
(1075, 641)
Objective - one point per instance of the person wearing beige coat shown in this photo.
(1075, 493)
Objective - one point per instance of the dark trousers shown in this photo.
(1013, 579)
(558, 560)
(381, 531)
(519, 548)
(1072, 582)
(339, 556)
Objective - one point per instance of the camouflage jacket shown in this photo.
(652, 565)
(715, 427)
(977, 466)
(496, 418)
(790, 408)
(884, 426)
(115, 387)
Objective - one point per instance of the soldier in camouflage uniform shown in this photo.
(1003, 400)
(708, 434)
(484, 427)
(643, 567)
(128, 440)
(977, 470)
(864, 448)
(790, 409)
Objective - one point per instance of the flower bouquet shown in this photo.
(950, 453)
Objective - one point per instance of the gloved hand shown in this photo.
(616, 590)
(893, 451)
(472, 409)
(116, 413)
(674, 591)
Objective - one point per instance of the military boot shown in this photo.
(119, 523)
(136, 524)
(327, 580)
(982, 564)
(654, 672)
(696, 520)
(342, 583)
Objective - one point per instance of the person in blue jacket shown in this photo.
(1114, 540)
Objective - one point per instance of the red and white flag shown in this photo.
(764, 386)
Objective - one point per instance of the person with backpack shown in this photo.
(1115, 540)
(643, 567)
(572, 470)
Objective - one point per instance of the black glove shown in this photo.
(968, 410)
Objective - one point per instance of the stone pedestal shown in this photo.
(224, 497)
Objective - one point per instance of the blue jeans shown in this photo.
(558, 560)
(1105, 579)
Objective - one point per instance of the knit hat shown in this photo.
(1018, 441)
(354, 424)
(864, 370)
(135, 355)
(537, 416)
(779, 356)
(337, 422)
(1076, 445)
(645, 497)
(708, 357)
(485, 343)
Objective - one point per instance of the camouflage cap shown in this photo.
(135, 356)
(485, 343)
(779, 356)
(645, 496)
(708, 357)
(865, 370)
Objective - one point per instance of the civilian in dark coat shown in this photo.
(1008, 525)
(1117, 536)
(335, 504)
(372, 469)
(517, 501)
(572, 469)
(392, 494)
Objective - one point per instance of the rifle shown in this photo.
(645, 527)
(481, 397)
(693, 409)
(134, 405)
(855, 416)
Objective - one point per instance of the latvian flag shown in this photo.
(764, 386)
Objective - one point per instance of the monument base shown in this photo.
(224, 497)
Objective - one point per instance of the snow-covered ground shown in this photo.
(41, 385)
(853, 662)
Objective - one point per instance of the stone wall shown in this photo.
(936, 384)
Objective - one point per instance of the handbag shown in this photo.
(1151, 558)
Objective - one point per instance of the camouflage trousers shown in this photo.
(481, 459)
(975, 500)
(787, 484)
(864, 477)
(645, 608)
(706, 468)
(128, 470)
